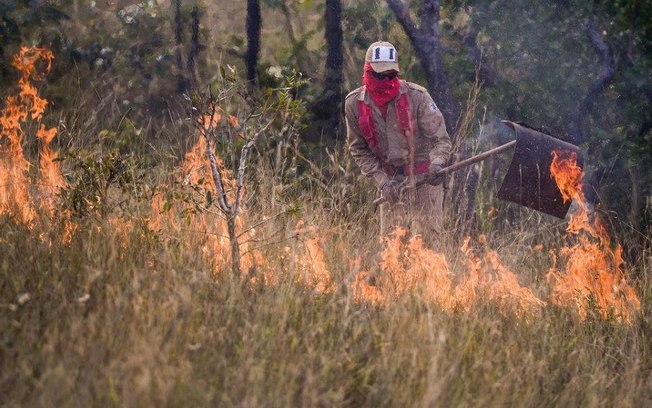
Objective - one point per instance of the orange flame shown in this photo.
(208, 228)
(51, 178)
(593, 269)
(313, 265)
(26, 63)
(210, 121)
(411, 267)
(14, 166)
(233, 121)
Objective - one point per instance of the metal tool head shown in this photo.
(528, 180)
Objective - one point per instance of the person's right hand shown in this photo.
(435, 175)
(389, 193)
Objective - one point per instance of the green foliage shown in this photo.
(365, 22)
(135, 44)
(633, 18)
(98, 184)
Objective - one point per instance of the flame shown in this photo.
(51, 178)
(26, 63)
(594, 267)
(15, 183)
(592, 270)
(233, 121)
(506, 289)
(210, 121)
(313, 265)
(208, 228)
(411, 267)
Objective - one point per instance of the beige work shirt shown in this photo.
(431, 141)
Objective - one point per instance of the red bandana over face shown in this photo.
(381, 91)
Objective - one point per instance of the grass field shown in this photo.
(121, 317)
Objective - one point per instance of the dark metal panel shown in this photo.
(528, 181)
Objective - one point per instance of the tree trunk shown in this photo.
(606, 75)
(235, 247)
(426, 42)
(182, 84)
(254, 22)
(578, 124)
(194, 47)
(487, 74)
(332, 97)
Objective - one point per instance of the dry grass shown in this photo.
(125, 316)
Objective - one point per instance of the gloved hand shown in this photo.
(435, 175)
(389, 193)
(434, 169)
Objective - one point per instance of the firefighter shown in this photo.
(397, 137)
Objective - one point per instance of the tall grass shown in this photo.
(126, 315)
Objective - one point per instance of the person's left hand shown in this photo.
(389, 192)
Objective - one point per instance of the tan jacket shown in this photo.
(431, 141)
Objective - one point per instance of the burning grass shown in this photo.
(593, 268)
(20, 106)
(128, 319)
(141, 309)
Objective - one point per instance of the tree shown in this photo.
(254, 22)
(582, 72)
(605, 77)
(327, 108)
(195, 47)
(426, 41)
(182, 82)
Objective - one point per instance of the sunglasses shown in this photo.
(383, 75)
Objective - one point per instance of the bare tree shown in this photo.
(229, 199)
(230, 208)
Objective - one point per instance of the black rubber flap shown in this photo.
(528, 181)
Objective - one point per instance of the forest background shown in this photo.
(579, 70)
(129, 308)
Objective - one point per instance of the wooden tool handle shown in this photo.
(482, 156)
(467, 162)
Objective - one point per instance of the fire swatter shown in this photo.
(528, 181)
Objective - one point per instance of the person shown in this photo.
(397, 137)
